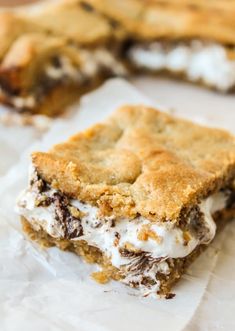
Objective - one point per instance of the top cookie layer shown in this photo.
(173, 19)
(75, 21)
(141, 161)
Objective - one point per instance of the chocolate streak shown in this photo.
(71, 224)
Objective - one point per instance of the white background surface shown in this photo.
(51, 290)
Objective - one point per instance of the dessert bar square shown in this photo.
(141, 195)
(51, 57)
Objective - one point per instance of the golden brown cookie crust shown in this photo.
(141, 162)
(11, 27)
(72, 20)
(173, 19)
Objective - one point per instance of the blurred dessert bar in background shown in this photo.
(52, 55)
(190, 39)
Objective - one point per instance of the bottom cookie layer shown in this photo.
(91, 254)
(57, 99)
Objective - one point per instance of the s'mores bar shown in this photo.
(53, 56)
(190, 39)
(141, 195)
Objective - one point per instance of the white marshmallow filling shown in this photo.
(127, 243)
(197, 60)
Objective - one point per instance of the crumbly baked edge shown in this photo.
(91, 254)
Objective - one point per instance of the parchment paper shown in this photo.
(17, 132)
(52, 290)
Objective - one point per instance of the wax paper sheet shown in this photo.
(52, 290)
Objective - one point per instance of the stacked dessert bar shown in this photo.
(141, 194)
